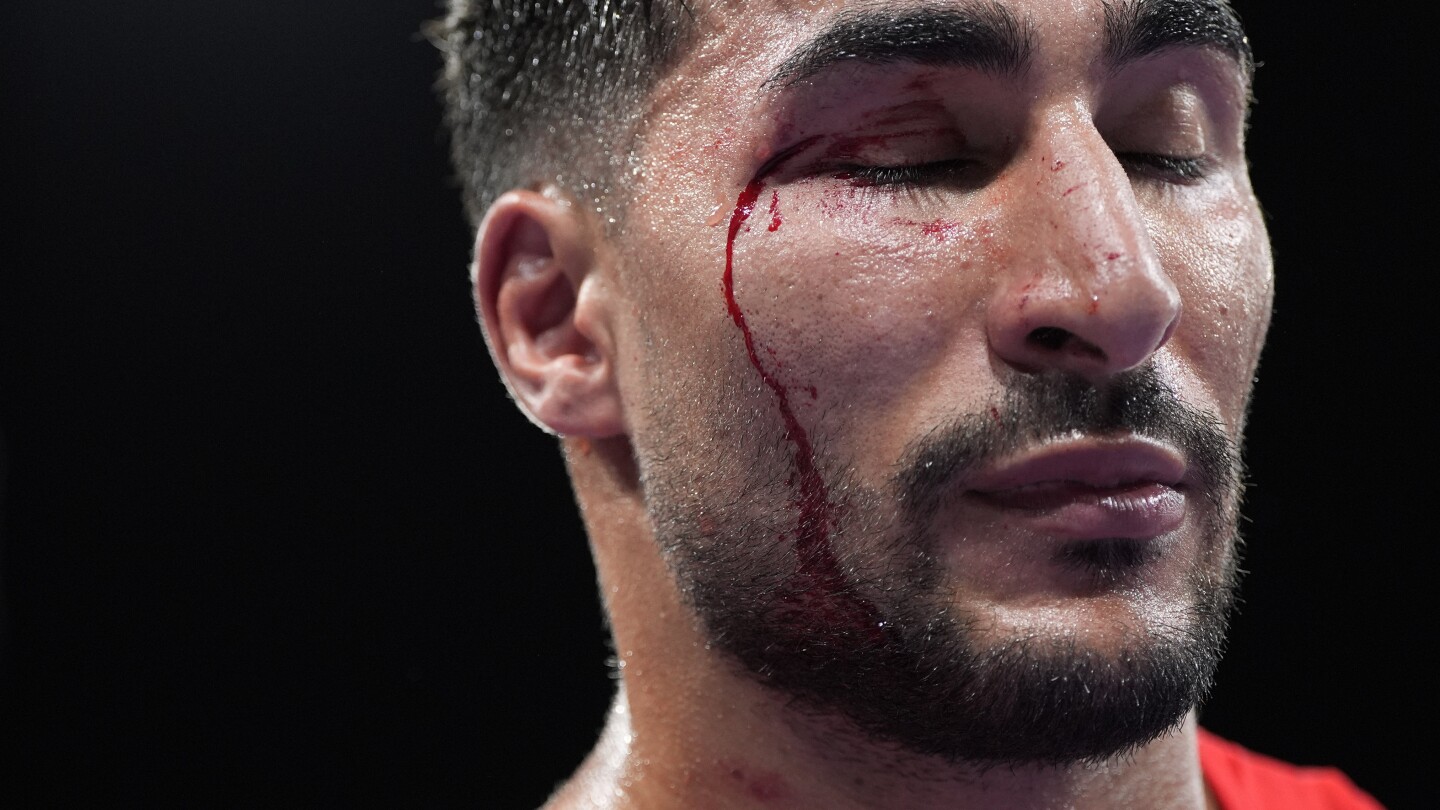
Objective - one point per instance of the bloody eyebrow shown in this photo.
(982, 36)
(1138, 28)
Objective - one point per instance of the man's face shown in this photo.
(945, 320)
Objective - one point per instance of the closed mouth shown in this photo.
(1088, 488)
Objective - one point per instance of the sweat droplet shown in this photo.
(718, 215)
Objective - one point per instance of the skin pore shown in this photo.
(864, 290)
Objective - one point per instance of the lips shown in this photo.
(1088, 488)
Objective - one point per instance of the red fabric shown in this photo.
(1245, 780)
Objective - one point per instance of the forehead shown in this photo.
(773, 44)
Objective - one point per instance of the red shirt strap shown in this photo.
(1244, 780)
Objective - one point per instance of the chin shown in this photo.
(962, 611)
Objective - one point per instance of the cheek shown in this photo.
(853, 299)
(1218, 253)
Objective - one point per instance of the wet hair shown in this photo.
(543, 91)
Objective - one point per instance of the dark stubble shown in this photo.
(881, 644)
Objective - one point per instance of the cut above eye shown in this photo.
(956, 171)
(1172, 168)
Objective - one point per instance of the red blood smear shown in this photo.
(857, 182)
(940, 229)
(775, 211)
(820, 582)
(921, 82)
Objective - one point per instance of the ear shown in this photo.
(544, 306)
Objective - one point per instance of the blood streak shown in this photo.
(775, 211)
(853, 146)
(820, 585)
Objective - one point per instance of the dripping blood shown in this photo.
(821, 590)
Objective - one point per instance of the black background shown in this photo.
(273, 534)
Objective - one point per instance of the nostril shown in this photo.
(1054, 339)
(1048, 337)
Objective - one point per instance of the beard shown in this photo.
(832, 592)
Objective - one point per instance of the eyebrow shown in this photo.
(1139, 28)
(987, 37)
(982, 36)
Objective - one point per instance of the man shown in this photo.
(900, 353)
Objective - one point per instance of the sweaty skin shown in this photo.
(764, 375)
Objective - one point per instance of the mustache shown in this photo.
(1037, 408)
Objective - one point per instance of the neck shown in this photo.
(760, 754)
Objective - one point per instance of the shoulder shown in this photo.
(1244, 780)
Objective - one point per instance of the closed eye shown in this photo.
(953, 172)
(1169, 168)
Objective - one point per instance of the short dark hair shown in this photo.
(540, 91)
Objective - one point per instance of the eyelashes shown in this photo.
(940, 172)
(1169, 168)
(917, 182)
(967, 174)
(912, 179)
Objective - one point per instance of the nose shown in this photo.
(1084, 291)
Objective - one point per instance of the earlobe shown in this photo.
(540, 298)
